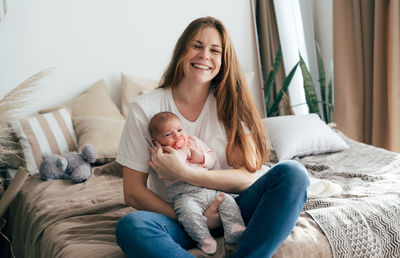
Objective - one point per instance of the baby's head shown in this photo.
(166, 128)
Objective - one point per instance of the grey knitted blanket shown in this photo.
(364, 219)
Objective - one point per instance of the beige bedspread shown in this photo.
(57, 218)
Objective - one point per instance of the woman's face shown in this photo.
(203, 59)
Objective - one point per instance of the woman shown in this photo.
(204, 86)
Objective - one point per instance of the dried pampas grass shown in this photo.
(11, 108)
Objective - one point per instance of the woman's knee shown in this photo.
(130, 225)
(293, 173)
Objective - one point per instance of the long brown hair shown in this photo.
(235, 107)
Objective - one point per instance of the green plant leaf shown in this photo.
(322, 83)
(285, 85)
(309, 89)
(271, 78)
(330, 95)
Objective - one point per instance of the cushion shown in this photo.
(301, 135)
(131, 87)
(52, 132)
(95, 101)
(102, 132)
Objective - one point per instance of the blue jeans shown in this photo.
(270, 208)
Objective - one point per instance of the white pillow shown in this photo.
(301, 135)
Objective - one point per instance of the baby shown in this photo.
(191, 201)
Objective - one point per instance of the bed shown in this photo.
(353, 207)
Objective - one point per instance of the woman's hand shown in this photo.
(212, 214)
(168, 163)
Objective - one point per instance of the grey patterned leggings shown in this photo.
(191, 201)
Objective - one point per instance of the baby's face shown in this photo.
(171, 133)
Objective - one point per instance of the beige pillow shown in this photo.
(95, 101)
(103, 133)
(131, 87)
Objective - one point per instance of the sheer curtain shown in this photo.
(280, 22)
(291, 34)
(3, 9)
(367, 70)
(268, 41)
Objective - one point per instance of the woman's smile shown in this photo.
(201, 66)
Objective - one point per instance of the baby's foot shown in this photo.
(236, 233)
(208, 245)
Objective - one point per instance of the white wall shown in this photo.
(98, 39)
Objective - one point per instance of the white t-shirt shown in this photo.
(133, 148)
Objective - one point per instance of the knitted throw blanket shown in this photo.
(364, 219)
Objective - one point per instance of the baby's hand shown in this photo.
(196, 156)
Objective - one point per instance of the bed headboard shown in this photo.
(86, 41)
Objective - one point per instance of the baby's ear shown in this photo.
(153, 141)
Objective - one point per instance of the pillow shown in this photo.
(95, 101)
(301, 135)
(52, 132)
(131, 87)
(102, 132)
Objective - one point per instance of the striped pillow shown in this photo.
(51, 132)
